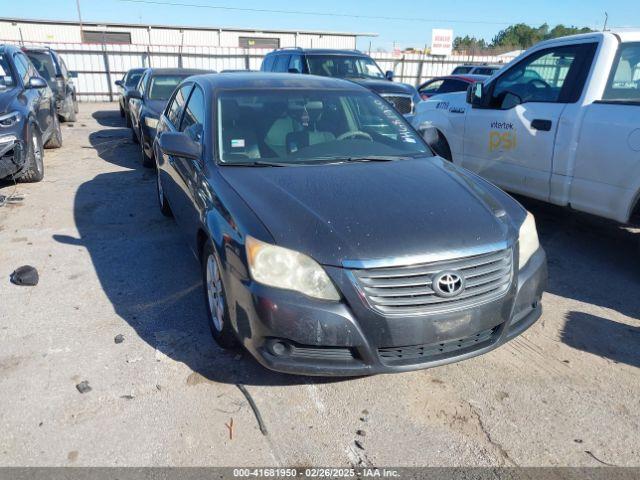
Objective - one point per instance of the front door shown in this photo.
(511, 138)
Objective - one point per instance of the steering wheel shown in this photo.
(355, 133)
(539, 81)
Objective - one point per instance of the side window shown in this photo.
(22, 66)
(174, 113)
(267, 64)
(63, 68)
(194, 115)
(624, 83)
(450, 85)
(432, 87)
(281, 63)
(142, 85)
(554, 75)
(295, 63)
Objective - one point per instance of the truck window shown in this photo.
(624, 83)
(267, 65)
(554, 75)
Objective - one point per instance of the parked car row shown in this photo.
(30, 109)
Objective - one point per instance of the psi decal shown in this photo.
(502, 141)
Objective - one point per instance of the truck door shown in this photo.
(607, 167)
(510, 137)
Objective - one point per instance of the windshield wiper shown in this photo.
(257, 163)
(376, 158)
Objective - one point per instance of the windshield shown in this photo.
(162, 86)
(6, 77)
(133, 79)
(343, 66)
(311, 126)
(44, 64)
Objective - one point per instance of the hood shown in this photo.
(384, 86)
(368, 211)
(6, 97)
(155, 107)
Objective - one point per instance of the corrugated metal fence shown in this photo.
(100, 65)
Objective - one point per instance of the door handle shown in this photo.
(542, 125)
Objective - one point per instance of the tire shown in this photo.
(134, 135)
(147, 161)
(72, 115)
(34, 165)
(55, 141)
(165, 209)
(129, 124)
(441, 147)
(76, 107)
(216, 299)
(121, 111)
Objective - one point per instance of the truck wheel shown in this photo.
(216, 299)
(34, 162)
(72, 113)
(55, 141)
(134, 135)
(441, 147)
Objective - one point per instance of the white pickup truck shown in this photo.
(560, 123)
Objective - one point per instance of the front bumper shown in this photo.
(347, 338)
(12, 155)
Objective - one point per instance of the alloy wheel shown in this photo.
(215, 293)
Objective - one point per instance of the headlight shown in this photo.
(151, 122)
(528, 240)
(10, 119)
(283, 268)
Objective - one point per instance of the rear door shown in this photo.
(510, 139)
(607, 168)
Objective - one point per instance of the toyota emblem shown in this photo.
(448, 284)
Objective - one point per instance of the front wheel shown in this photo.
(442, 148)
(165, 209)
(216, 300)
(55, 141)
(34, 162)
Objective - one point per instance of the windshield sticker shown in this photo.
(237, 143)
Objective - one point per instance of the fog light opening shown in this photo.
(278, 348)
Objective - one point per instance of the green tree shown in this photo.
(523, 36)
(468, 43)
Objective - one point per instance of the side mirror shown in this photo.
(294, 70)
(475, 94)
(179, 145)
(73, 74)
(135, 94)
(37, 82)
(389, 75)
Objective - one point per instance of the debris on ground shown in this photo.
(83, 387)
(361, 433)
(118, 338)
(25, 276)
(254, 407)
(358, 444)
(10, 199)
(127, 397)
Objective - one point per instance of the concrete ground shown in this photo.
(567, 392)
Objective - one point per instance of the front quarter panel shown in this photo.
(444, 113)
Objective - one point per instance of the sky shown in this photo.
(399, 23)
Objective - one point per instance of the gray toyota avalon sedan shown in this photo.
(331, 240)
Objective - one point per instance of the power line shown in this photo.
(313, 13)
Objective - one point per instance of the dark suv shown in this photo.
(52, 68)
(348, 64)
(28, 120)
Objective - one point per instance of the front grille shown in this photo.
(402, 103)
(433, 351)
(408, 290)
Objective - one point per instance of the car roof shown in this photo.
(263, 80)
(176, 71)
(320, 51)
